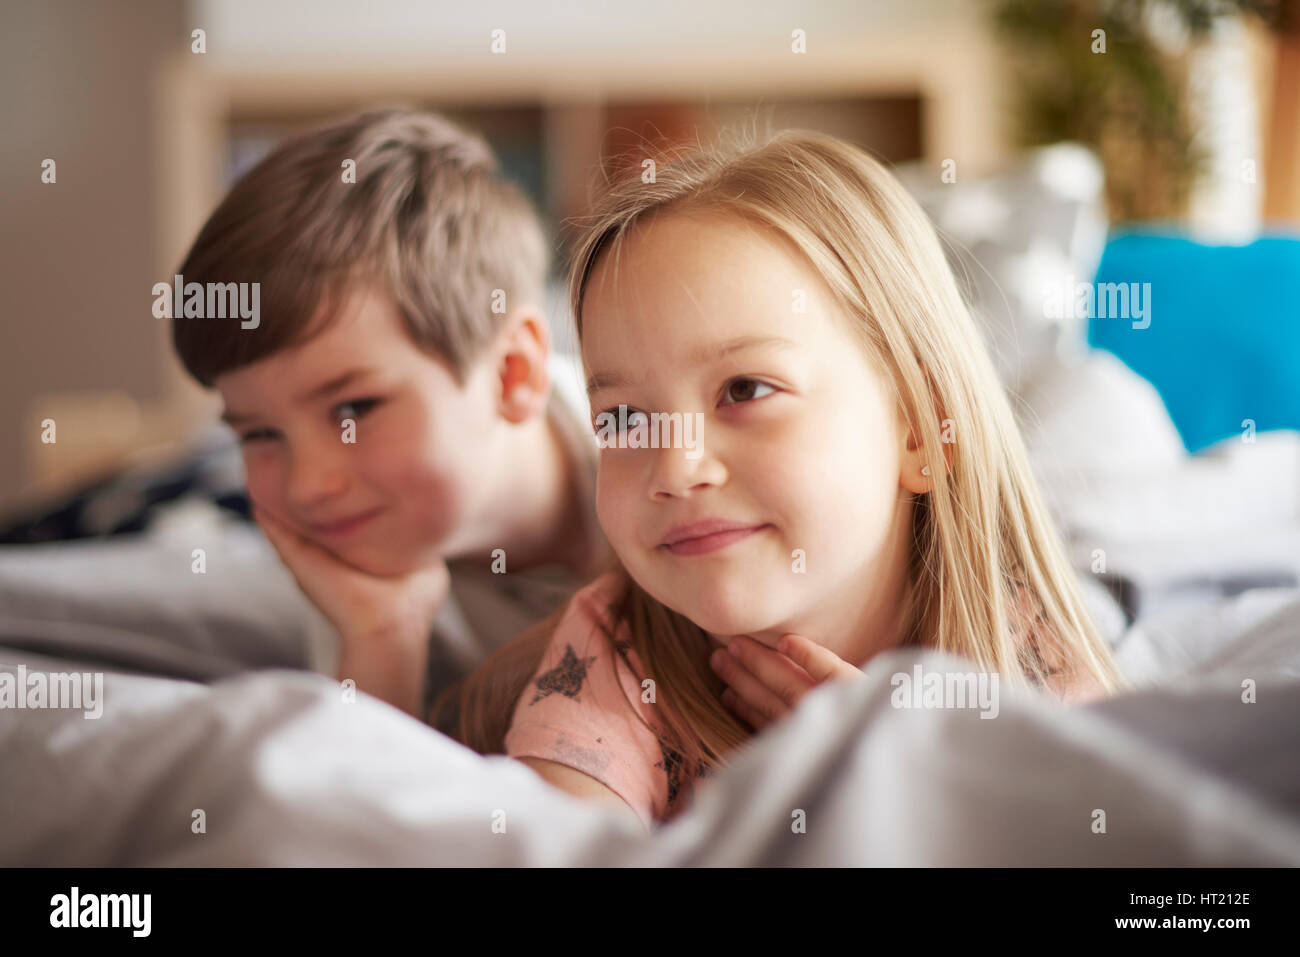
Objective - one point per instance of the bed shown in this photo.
(273, 767)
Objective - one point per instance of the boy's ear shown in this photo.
(523, 348)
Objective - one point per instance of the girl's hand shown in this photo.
(764, 685)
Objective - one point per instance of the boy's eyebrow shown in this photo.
(710, 350)
(325, 388)
(338, 382)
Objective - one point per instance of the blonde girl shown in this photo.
(859, 484)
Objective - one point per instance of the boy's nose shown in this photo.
(313, 479)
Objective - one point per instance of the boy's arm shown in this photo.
(389, 665)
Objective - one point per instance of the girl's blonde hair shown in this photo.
(983, 537)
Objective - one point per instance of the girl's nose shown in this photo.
(680, 472)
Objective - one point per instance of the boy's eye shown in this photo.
(256, 435)
(354, 409)
(742, 390)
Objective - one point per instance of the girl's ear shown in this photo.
(523, 348)
(915, 474)
(917, 469)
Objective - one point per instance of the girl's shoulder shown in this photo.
(1044, 651)
(589, 622)
(584, 706)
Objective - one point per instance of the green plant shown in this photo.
(1117, 91)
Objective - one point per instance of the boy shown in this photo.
(404, 452)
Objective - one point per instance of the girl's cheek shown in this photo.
(616, 492)
(606, 510)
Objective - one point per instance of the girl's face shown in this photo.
(802, 449)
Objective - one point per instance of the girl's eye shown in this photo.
(742, 390)
(354, 409)
(610, 418)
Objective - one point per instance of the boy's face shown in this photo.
(391, 493)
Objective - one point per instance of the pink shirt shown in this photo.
(576, 712)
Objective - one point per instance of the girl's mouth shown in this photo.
(711, 542)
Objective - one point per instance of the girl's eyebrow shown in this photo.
(704, 353)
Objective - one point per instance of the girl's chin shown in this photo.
(725, 621)
(720, 603)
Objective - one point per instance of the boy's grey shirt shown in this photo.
(486, 609)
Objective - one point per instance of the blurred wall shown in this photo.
(77, 256)
(140, 131)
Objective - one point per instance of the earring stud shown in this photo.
(925, 470)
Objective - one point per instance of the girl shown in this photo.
(859, 483)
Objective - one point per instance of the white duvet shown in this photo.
(274, 767)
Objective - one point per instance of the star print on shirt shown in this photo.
(1030, 657)
(567, 677)
(674, 766)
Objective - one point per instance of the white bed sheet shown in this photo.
(287, 773)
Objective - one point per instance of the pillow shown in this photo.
(1221, 343)
(1013, 238)
(1006, 235)
(136, 602)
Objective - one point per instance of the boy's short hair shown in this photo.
(428, 219)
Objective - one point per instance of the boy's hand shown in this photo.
(362, 607)
(764, 685)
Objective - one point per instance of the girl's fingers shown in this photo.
(760, 677)
(748, 689)
(777, 672)
(821, 663)
(743, 711)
